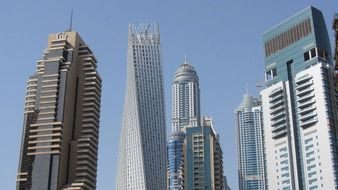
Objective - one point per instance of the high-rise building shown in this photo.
(142, 150)
(61, 119)
(250, 150)
(185, 98)
(185, 113)
(203, 158)
(195, 157)
(299, 104)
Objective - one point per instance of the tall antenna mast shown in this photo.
(71, 21)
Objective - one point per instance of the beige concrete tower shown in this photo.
(61, 119)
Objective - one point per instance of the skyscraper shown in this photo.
(61, 119)
(299, 104)
(195, 157)
(185, 98)
(142, 150)
(250, 150)
(185, 113)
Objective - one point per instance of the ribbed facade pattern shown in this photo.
(142, 150)
(61, 120)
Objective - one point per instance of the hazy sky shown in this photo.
(221, 38)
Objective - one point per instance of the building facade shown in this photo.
(61, 119)
(185, 98)
(250, 150)
(185, 113)
(142, 150)
(203, 160)
(299, 104)
(176, 154)
(195, 157)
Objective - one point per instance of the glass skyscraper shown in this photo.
(59, 145)
(299, 104)
(142, 150)
(250, 150)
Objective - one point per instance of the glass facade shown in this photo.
(176, 161)
(249, 130)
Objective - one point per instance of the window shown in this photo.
(271, 74)
(306, 56)
(313, 52)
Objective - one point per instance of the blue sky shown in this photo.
(222, 40)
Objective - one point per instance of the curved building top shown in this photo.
(185, 72)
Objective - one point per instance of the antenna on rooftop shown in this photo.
(71, 21)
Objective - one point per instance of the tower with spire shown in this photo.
(185, 98)
(194, 153)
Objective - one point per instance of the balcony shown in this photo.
(276, 110)
(304, 85)
(308, 122)
(279, 134)
(278, 121)
(307, 110)
(276, 104)
(303, 79)
(305, 98)
(279, 128)
(307, 116)
(275, 92)
(307, 103)
(278, 115)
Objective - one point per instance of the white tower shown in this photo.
(186, 98)
(142, 151)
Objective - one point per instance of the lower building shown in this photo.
(203, 158)
(176, 150)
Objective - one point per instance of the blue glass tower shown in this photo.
(176, 160)
(250, 153)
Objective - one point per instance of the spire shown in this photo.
(185, 59)
(71, 21)
(247, 88)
